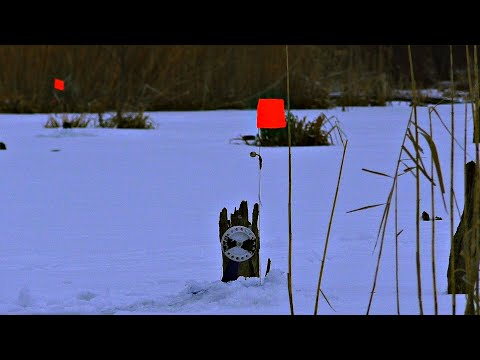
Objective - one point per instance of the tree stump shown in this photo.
(465, 247)
(232, 270)
(3, 146)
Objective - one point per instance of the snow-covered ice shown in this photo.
(126, 221)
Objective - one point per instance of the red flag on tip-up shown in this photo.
(59, 84)
(271, 114)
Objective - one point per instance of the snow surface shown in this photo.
(126, 221)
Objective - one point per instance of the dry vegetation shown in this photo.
(134, 120)
(102, 78)
(318, 132)
(411, 148)
(68, 121)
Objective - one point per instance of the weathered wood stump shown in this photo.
(3, 146)
(250, 268)
(464, 246)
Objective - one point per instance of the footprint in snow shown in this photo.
(86, 295)
(25, 298)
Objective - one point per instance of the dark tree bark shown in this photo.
(465, 247)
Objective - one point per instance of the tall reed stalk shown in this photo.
(432, 189)
(472, 97)
(465, 194)
(397, 234)
(452, 167)
(289, 279)
(476, 196)
(471, 237)
(384, 221)
(417, 184)
(319, 289)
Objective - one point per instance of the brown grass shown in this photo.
(325, 248)
(452, 168)
(186, 77)
(290, 289)
(75, 121)
(302, 132)
(417, 184)
(135, 120)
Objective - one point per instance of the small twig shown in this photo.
(269, 262)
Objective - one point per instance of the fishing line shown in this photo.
(259, 175)
(259, 202)
(260, 161)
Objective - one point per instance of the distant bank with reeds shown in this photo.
(100, 78)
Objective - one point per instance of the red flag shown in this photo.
(271, 114)
(59, 84)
